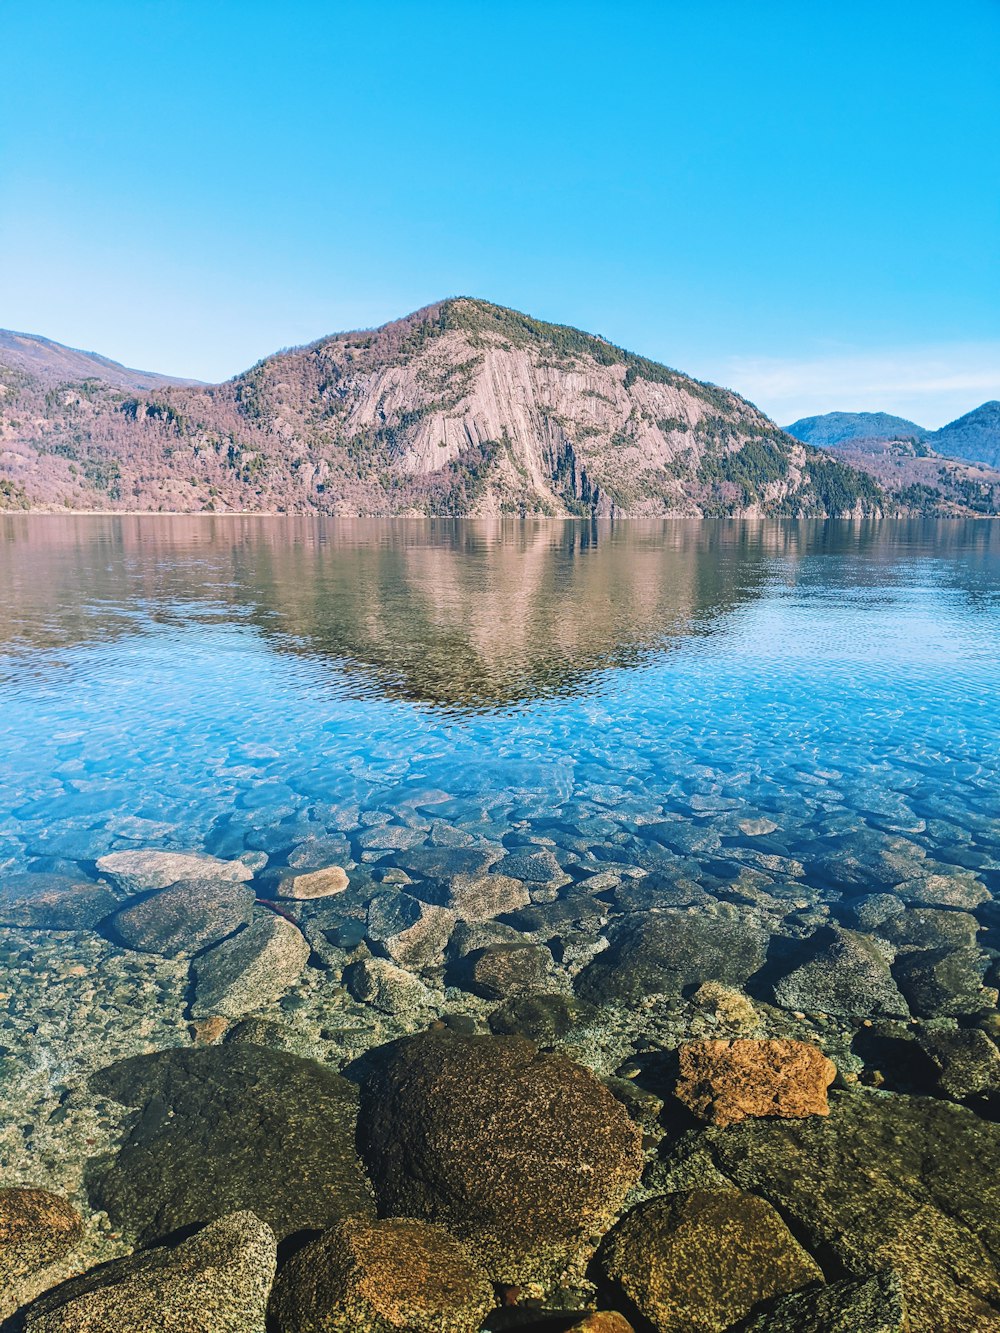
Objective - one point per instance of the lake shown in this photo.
(757, 754)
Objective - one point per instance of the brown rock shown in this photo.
(700, 1261)
(726, 1081)
(36, 1228)
(367, 1276)
(525, 1156)
(316, 884)
(207, 1031)
(603, 1321)
(503, 970)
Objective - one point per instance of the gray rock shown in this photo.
(414, 934)
(504, 970)
(225, 1128)
(478, 898)
(135, 872)
(542, 1018)
(186, 917)
(664, 952)
(216, 1282)
(53, 902)
(250, 970)
(944, 982)
(385, 986)
(846, 975)
(966, 1062)
(872, 910)
(536, 867)
(852, 1305)
(954, 890)
(930, 928)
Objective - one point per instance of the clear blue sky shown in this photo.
(801, 200)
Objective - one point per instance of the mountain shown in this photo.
(833, 428)
(45, 359)
(975, 437)
(461, 408)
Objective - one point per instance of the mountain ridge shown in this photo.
(462, 407)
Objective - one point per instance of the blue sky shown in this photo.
(799, 200)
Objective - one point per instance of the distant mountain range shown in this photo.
(461, 408)
(974, 437)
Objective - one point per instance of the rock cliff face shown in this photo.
(461, 408)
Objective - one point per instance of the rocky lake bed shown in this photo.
(457, 929)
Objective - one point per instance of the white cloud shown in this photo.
(930, 385)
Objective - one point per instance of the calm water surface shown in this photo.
(231, 683)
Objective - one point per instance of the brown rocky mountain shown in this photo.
(461, 408)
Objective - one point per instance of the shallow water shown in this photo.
(735, 727)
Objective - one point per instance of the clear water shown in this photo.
(226, 684)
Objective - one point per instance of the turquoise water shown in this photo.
(231, 684)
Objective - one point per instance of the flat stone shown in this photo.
(703, 1259)
(846, 975)
(136, 872)
(251, 970)
(524, 1156)
(367, 1276)
(537, 867)
(872, 910)
(852, 1305)
(315, 884)
(930, 928)
(726, 1081)
(53, 902)
(225, 1128)
(944, 891)
(478, 898)
(185, 917)
(756, 828)
(215, 1282)
(414, 934)
(886, 1181)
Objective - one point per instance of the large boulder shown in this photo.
(53, 902)
(700, 1260)
(135, 872)
(945, 982)
(185, 918)
(886, 1181)
(251, 970)
(215, 1282)
(525, 1156)
(366, 1276)
(666, 952)
(727, 1081)
(225, 1128)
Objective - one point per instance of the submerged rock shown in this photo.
(53, 902)
(315, 884)
(727, 1081)
(703, 1259)
(542, 1017)
(385, 986)
(965, 1061)
(945, 982)
(385, 1276)
(846, 975)
(412, 933)
(216, 1282)
(886, 1181)
(224, 1128)
(956, 890)
(250, 970)
(135, 872)
(664, 952)
(503, 970)
(852, 1305)
(523, 1155)
(477, 898)
(37, 1227)
(186, 917)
